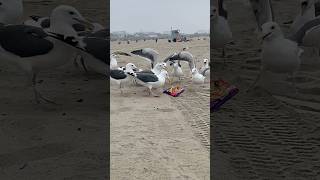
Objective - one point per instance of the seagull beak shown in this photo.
(86, 23)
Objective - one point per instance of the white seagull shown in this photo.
(177, 70)
(205, 69)
(31, 49)
(157, 69)
(307, 13)
(151, 80)
(197, 78)
(222, 34)
(120, 75)
(263, 12)
(113, 59)
(279, 55)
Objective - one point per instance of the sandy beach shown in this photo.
(160, 137)
(268, 133)
(46, 141)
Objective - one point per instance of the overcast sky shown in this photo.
(159, 15)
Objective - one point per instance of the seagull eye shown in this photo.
(71, 13)
(0, 3)
(272, 27)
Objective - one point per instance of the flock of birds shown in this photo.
(42, 43)
(280, 54)
(156, 76)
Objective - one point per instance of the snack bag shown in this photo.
(174, 91)
(221, 93)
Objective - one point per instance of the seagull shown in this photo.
(205, 69)
(182, 56)
(222, 34)
(157, 69)
(44, 23)
(34, 50)
(38, 21)
(279, 55)
(197, 78)
(263, 12)
(177, 71)
(307, 13)
(94, 54)
(120, 75)
(151, 80)
(113, 60)
(11, 11)
(308, 34)
(148, 54)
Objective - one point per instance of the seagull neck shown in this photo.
(62, 28)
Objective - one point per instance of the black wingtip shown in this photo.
(34, 17)
(137, 52)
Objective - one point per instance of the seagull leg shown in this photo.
(83, 65)
(153, 94)
(75, 61)
(149, 91)
(37, 94)
(121, 88)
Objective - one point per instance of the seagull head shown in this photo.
(214, 12)
(11, 11)
(64, 17)
(176, 65)
(160, 66)
(131, 67)
(205, 61)
(194, 71)
(305, 5)
(271, 30)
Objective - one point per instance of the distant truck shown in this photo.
(176, 36)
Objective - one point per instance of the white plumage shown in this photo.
(307, 13)
(279, 55)
(197, 78)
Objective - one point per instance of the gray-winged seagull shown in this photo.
(151, 80)
(148, 54)
(120, 75)
(31, 49)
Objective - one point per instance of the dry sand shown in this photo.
(265, 134)
(165, 137)
(47, 141)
